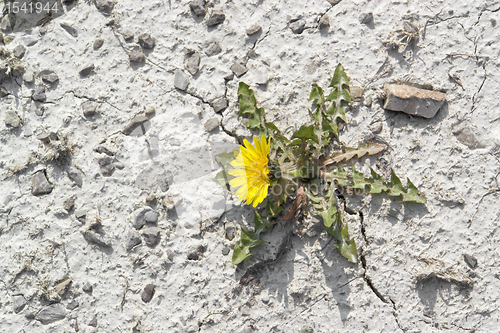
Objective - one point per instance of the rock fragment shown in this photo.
(466, 136)
(366, 18)
(106, 165)
(95, 238)
(216, 18)
(105, 6)
(193, 63)
(151, 217)
(197, 254)
(148, 293)
(19, 51)
(151, 236)
(39, 184)
(180, 80)
(87, 287)
(219, 104)
(137, 121)
(254, 29)
(3, 92)
(18, 303)
(470, 260)
(98, 43)
(238, 69)
(139, 219)
(213, 49)
(376, 127)
(93, 322)
(136, 56)
(146, 41)
(324, 22)
(69, 29)
(261, 76)
(29, 40)
(86, 70)
(11, 119)
(297, 26)
(211, 124)
(50, 78)
(29, 77)
(413, 101)
(128, 36)
(133, 239)
(8, 22)
(51, 313)
(62, 286)
(39, 94)
(72, 305)
(198, 7)
(89, 108)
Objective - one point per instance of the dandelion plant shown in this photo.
(303, 168)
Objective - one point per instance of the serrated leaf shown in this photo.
(306, 133)
(412, 194)
(256, 120)
(273, 209)
(246, 97)
(339, 96)
(370, 148)
(347, 247)
(318, 95)
(377, 184)
(395, 186)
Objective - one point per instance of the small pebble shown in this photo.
(86, 70)
(12, 119)
(139, 220)
(29, 77)
(8, 22)
(366, 18)
(137, 56)
(44, 137)
(324, 22)
(219, 104)
(105, 6)
(128, 36)
(3, 92)
(193, 63)
(80, 214)
(470, 260)
(238, 69)
(261, 76)
(133, 239)
(62, 286)
(137, 121)
(146, 41)
(148, 293)
(151, 217)
(376, 127)
(297, 26)
(72, 305)
(95, 238)
(101, 149)
(93, 322)
(18, 303)
(87, 287)
(19, 51)
(69, 204)
(225, 250)
(149, 110)
(50, 78)
(8, 39)
(51, 313)
(39, 184)
(98, 43)
(198, 7)
(230, 232)
(89, 108)
(216, 18)
(29, 40)
(106, 165)
(39, 94)
(213, 49)
(72, 31)
(180, 80)
(254, 29)
(197, 254)
(211, 124)
(151, 236)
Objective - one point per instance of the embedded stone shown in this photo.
(98, 43)
(238, 69)
(151, 236)
(133, 239)
(137, 56)
(137, 121)
(413, 101)
(146, 41)
(86, 70)
(180, 80)
(215, 19)
(211, 124)
(193, 63)
(105, 6)
(12, 119)
(324, 22)
(254, 29)
(148, 293)
(298, 26)
(39, 184)
(213, 49)
(51, 313)
(198, 7)
(69, 29)
(219, 104)
(19, 51)
(39, 94)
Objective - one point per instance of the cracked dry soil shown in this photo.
(128, 234)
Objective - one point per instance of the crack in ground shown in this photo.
(369, 281)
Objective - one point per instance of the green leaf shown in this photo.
(306, 133)
(248, 106)
(347, 247)
(339, 96)
(273, 209)
(317, 94)
(377, 183)
(395, 186)
(370, 148)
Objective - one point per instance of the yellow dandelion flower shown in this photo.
(251, 171)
